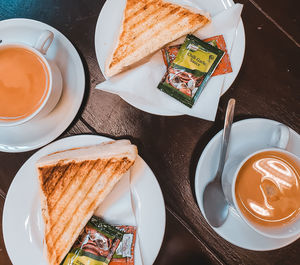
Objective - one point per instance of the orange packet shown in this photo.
(224, 66)
(124, 254)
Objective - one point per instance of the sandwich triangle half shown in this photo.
(147, 26)
(72, 184)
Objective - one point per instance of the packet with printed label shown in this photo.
(189, 72)
(95, 245)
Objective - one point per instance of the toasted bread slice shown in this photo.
(72, 185)
(147, 26)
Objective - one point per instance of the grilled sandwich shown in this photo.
(147, 26)
(72, 185)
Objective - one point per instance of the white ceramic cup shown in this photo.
(279, 141)
(51, 98)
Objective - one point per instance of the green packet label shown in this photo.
(191, 69)
(195, 58)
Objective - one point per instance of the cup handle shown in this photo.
(280, 137)
(44, 41)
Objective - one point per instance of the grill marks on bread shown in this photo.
(147, 26)
(139, 24)
(63, 208)
(112, 169)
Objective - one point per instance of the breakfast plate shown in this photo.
(42, 130)
(22, 221)
(247, 136)
(107, 27)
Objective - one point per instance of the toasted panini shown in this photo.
(147, 26)
(72, 185)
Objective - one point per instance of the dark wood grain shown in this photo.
(267, 86)
(180, 247)
(284, 14)
(4, 259)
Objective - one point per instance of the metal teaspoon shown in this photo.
(214, 202)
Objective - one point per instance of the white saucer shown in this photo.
(22, 214)
(108, 25)
(40, 131)
(247, 136)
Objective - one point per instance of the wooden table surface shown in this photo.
(268, 86)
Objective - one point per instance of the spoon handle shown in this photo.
(225, 135)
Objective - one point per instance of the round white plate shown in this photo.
(22, 221)
(42, 130)
(247, 136)
(108, 25)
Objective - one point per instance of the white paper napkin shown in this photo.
(117, 209)
(140, 83)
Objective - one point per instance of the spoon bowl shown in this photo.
(216, 201)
